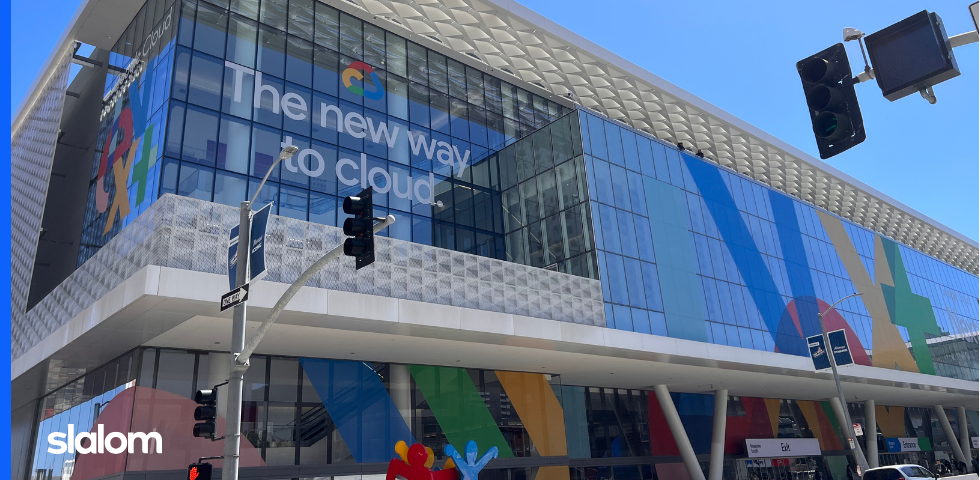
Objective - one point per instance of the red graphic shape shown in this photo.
(415, 469)
(833, 321)
(193, 474)
(144, 409)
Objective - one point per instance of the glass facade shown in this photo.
(692, 250)
(329, 415)
(466, 161)
(364, 106)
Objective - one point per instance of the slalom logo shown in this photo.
(353, 71)
(99, 442)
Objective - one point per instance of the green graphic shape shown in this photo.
(458, 407)
(914, 312)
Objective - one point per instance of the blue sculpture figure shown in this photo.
(470, 467)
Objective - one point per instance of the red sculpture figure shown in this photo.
(414, 467)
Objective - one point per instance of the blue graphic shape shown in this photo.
(139, 101)
(359, 406)
(738, 238)
(797, 267)
(470, 467)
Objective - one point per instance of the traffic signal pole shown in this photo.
(240, 353)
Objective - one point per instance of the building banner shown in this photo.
(782, 447)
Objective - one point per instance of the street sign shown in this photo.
(818, 352)
(858, 431)
(838, 343)
(260, 222)
(234, 297)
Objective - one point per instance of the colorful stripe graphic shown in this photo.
(458, 407)
(359, 406)
(353, 71)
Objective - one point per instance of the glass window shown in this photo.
(269, 194)
(293, 204)
(168, 177)
(182, 68)
(273, 13)
(374, 46)
(637, 195)
(229, 188)
(269, 110)
(233, 142)
(350, 36)
(610, 228)
(241, 48)
(272, 51)
(552, 229)
(548, 191)
(627, 233)
(296, 103)
(325, 70)
(576, 234)
(620, 187)
(457, 79)
(299, 61)
(616, 270)
(569, 184)
(209, 36)
(205, 82)
(175, 129)
(266, 145)
(301, 18)
(175, 372)
(248, 8)
(474, 90)
(634, 281)
(603, 182)
(195, 181)
(200, 136)
(323, 209)
(186, 35)
(597, 137)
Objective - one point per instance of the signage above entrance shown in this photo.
(900, 445)
(782, 447)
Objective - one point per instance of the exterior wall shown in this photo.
(32, 149)
(328, 417)
(691, 250)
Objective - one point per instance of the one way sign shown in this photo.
(234, 297)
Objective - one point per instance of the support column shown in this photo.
(941, 414)
(677, 430)
(871, 433)
(401, 391)
(717, 464)
(965, 437)
(858, 452)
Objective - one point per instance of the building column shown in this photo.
(944, 421)
(677, 430)
(717, 464)
(965, 437)
(871, 433)
(401, 391)
(858, 452)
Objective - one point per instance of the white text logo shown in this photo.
(99, 442)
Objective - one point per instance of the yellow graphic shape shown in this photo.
(888, 348)
(772, 406)
(542, 415)
(120, 203)
(891, 420)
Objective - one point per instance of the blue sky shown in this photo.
(741, 57)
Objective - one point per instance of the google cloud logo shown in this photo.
(353, 71)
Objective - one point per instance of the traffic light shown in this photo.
(206, 413)
(199, 471)
(830, 97)
(360, 228)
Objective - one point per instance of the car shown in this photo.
(899, 472)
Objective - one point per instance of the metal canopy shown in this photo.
(511, 38)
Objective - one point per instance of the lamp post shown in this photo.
(849, 426)
(233, 414)
(240, 353)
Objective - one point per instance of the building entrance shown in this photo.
(790, 468)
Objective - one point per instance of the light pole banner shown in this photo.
(838, 342)
(259, 223)
(782, 447)
(818, 352)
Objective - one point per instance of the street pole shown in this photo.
(233, 415)
(849, 426)
(236, 379)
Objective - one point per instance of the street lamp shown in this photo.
(849, 426)
(240, 353)
(233, 414)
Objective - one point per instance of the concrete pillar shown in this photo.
(965, 437)
(871, 433)
(941, 415)
(717, 463)
(677, 430)
(858, 452)
(401, 391)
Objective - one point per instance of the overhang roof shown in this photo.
(509, 37)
